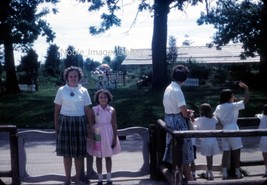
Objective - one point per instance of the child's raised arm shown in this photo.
(245, 87)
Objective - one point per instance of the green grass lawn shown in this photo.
(134, 107)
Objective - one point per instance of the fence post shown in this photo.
(161, 141)
(177, 160)
(13, 142)
(153, 167)
(14, 157)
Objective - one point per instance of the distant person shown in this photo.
(263, 141)
(209, 145)
(227, 114)
(176, 116)
(71, 118)
(105, 140)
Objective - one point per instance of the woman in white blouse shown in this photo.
(71, 119)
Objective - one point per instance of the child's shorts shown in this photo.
(231, 143)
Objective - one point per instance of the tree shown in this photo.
(20, 26)
(187, 42)
(161, 9)
(52, 61)
(120, 55)
(106, 60)
(30, 65)
(240, 22)
(172, 50)
(91, 65)
(73, 58)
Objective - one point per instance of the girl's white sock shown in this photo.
(224, 172)
(108, 176)
(100, 177)
(237, 171)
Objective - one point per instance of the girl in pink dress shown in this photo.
(105, 139)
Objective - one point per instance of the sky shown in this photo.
(71, 25)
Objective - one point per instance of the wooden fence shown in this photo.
(13, 143)
(20, 156)
(174, 174)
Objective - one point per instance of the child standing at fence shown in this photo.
(263, 141)
(227, 114)
(209, 145)
(105, 139)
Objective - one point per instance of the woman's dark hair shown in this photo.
(106, 92)
(225, 95)
(179, 73)
(206, 110)
(73, 68)
(264, 109)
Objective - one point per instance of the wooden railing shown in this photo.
(174, 175)
(41, 137)
(13, 143)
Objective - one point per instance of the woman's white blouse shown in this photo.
(173, 99)
(72, 105)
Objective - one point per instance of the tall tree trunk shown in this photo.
(11, 78)
(159, 42)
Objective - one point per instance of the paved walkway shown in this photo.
(41, 159)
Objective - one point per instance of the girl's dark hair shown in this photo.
(179, 73)
(206, 110)
(264, 109)
(225, 95)
(72, 68)
(106, 92)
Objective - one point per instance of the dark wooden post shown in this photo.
(177, 160)
(161, 141)
(157, 147)
(153, 152)
(13, 142)
(14, 156)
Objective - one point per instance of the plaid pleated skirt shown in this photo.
(71, 136)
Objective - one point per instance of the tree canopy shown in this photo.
(20, 25)
(172, 50)
(240, 22)
(52, 61)
(161, 9)
(235, 21)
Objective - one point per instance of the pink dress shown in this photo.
(101, 146)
